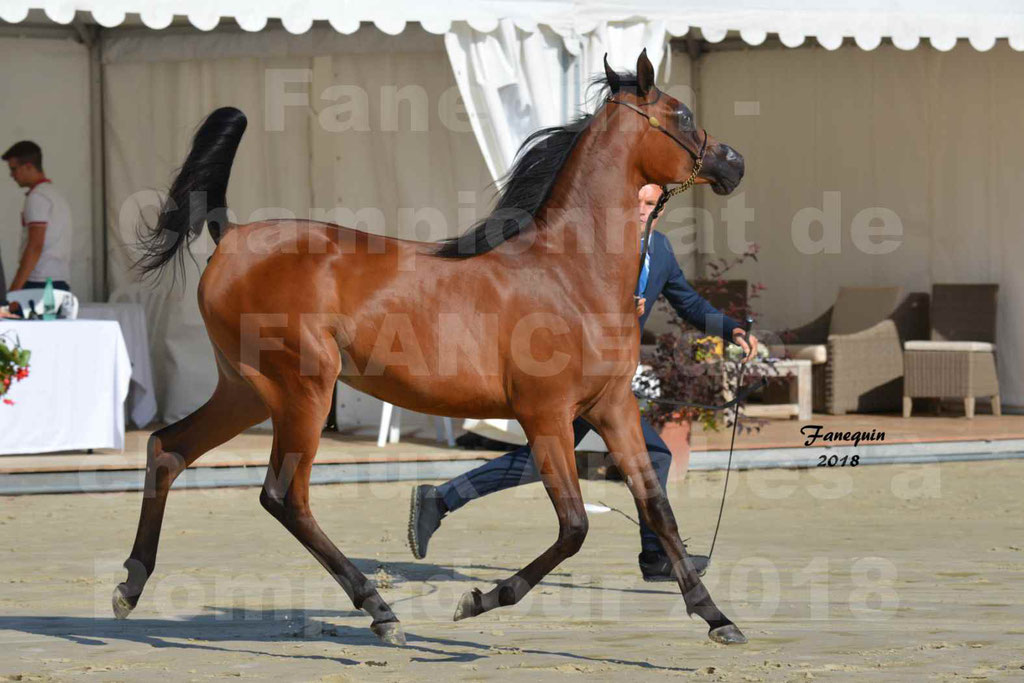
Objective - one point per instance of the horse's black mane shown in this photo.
(528, 183)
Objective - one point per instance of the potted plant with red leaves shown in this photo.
(691, 367)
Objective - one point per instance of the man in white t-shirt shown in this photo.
(45, 222)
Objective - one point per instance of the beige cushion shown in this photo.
(816, 353)
(858, 308)
(949, 346)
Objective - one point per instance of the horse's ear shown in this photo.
(613, 78)
(644, 74)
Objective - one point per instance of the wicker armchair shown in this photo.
(959, 360)
(855, 348)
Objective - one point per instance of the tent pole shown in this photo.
(91, 36)
(694, 50)
(100, 285)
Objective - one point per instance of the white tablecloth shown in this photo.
(73, 398)
(132, 318)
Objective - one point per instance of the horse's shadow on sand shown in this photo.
(428, 573)
(218, 628)
(425, 571)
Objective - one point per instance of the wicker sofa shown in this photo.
(856, 349)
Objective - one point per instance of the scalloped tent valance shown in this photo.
(907, 23)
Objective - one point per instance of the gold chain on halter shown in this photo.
(688, 183)
(662, 200)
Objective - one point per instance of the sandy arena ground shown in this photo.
(871, 573)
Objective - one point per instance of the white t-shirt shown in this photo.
(44, 204)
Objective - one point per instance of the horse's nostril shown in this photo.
(734, 160)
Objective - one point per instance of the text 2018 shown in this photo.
(836, 461)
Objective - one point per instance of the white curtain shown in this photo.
(405, 160)
(152, 110)
(45, 86)
(622, 41)
(515, 81)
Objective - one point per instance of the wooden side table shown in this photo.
(799, 405)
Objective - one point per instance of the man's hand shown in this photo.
(641, 304)
(746, 342)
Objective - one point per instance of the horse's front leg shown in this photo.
(617, 420)
(552, 444)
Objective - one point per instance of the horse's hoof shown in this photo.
(389, 632)
(122, 605)
(729, 634)
(469, 605)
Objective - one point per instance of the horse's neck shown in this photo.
(590, 216)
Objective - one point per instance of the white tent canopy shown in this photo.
(932, 134)
(868, 22)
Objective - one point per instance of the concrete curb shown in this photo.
(105, 481)
(102, 481)
(875, 454)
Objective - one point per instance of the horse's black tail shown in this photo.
(198, 194)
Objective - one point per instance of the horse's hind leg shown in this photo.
(619, 426)
(233, 407)
(299, 406)
(552, 444)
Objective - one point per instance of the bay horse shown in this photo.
(528, 315)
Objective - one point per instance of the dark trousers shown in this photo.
(517, 467)
(57, 284)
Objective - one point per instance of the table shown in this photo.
(73, 398)
(800, 388)
(132, 318)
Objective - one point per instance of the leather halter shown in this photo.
(698, 158)
(666, 194)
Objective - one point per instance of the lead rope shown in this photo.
(739, 395)
(732, 444)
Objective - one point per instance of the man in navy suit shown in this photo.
(661, 275)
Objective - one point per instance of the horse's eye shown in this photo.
(685, 119)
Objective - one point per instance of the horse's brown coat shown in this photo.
(542, 328)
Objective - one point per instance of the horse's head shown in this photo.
(671, 143)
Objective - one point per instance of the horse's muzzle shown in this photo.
(723, 167)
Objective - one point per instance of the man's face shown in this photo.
(19, 171)
(648, 198)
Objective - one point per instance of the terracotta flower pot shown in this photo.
(677, 437)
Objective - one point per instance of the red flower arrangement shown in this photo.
(13, 365)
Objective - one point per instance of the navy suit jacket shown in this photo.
(666, 277)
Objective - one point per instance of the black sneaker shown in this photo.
(425, 513)
(655, 566)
